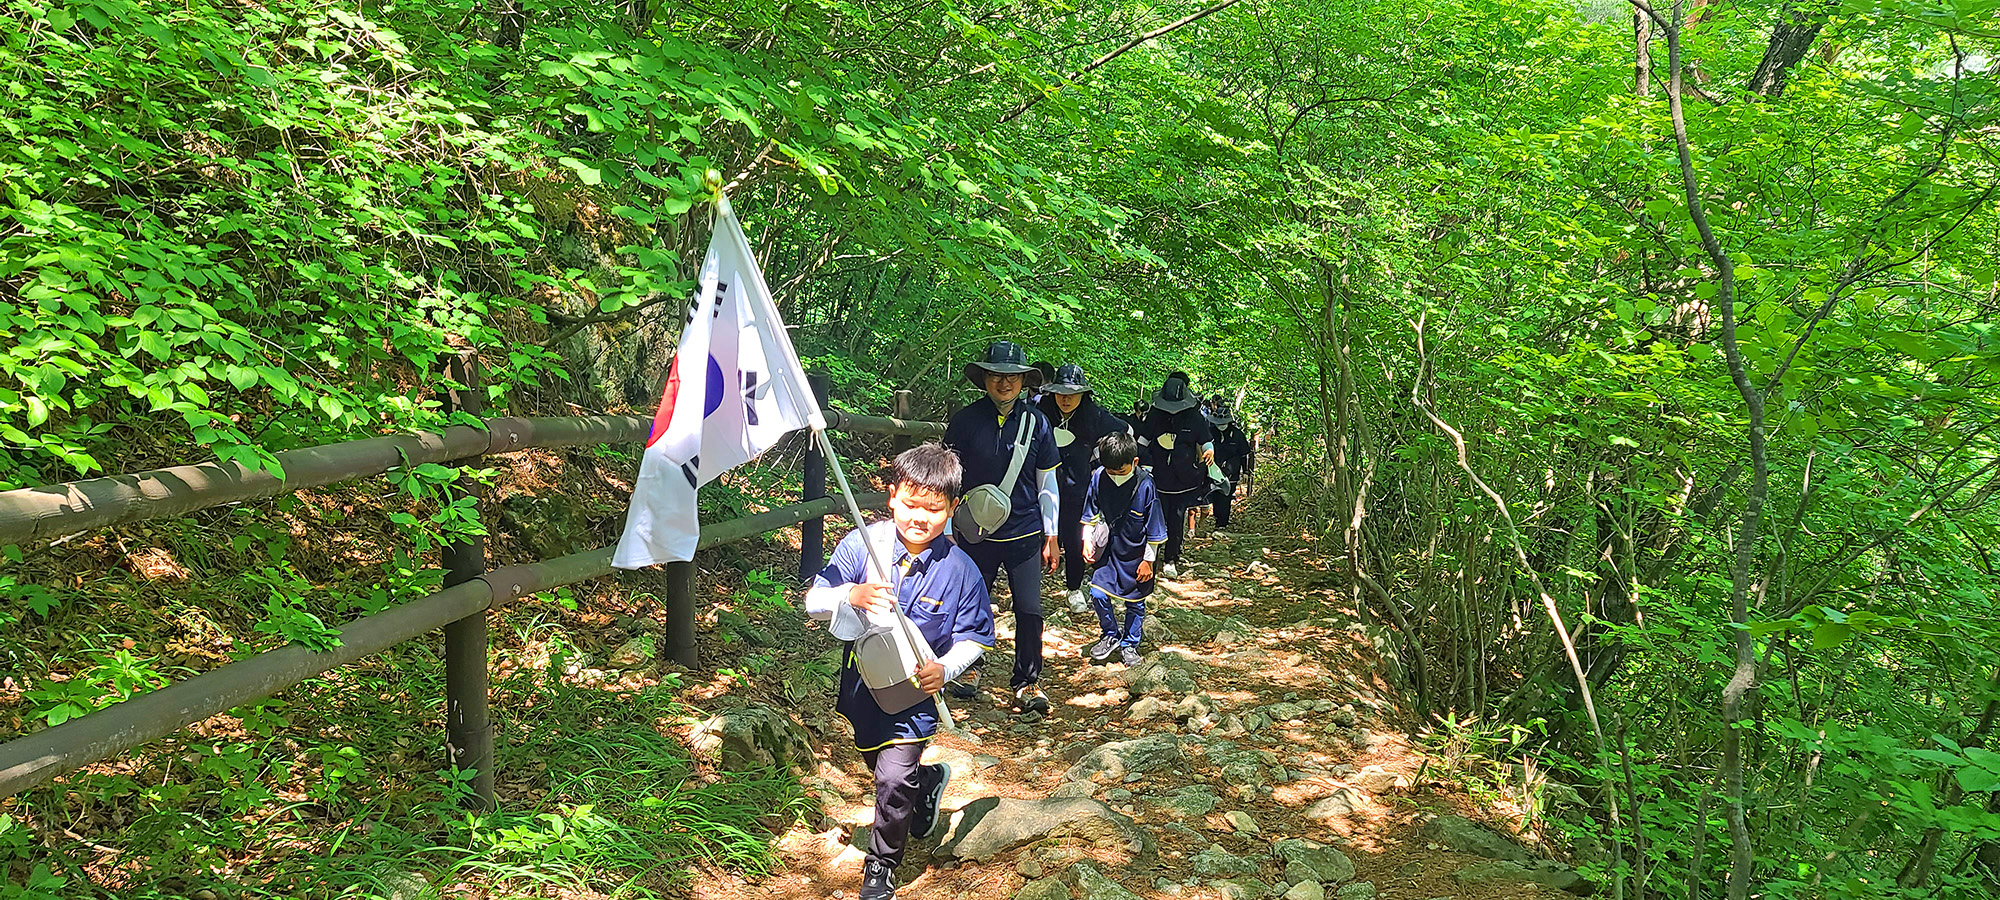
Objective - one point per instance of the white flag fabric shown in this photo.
(736, 387)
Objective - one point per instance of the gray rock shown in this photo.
(1338, 805)
(1146, 708)
(1189, 623)
(1375, 779)
(1462, 835)
(754, 737)
(1193, 800)
(1240, 888)
(392, 883)
(1097, 886)
(1074, 789)
(634, 652)
(1240, 766)
(990, 826)
(1155, 631)
(1242, 822)
(1163, 672)
(1118, 795)
(1306, 890)
(1027, 867)
(1118, 758)
(1216, 862)
(1195, 706)
(1043, 889)
(1542, 872)
(1360, 890)
(1284, 712)
(1307, 861)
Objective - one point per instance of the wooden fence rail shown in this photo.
(46, 513)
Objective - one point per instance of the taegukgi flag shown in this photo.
(736, 387)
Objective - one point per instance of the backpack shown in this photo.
(988, 507)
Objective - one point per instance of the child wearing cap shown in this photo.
(938, 589)
(1124, 529)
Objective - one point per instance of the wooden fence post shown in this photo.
(681, 646)
(812, 532)
(902, 442)
(468, 730)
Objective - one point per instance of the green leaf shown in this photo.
(1827, 635)
(1973, 779)
(586, 173)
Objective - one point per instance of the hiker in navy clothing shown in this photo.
(1124, 530)
(986, 434)
(1078, 423)
(1176, 444)
(1232, 455)
(937, 587)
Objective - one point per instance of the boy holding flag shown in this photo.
(939, 591)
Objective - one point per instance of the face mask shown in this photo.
(1118, 479)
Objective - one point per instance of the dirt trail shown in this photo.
(1260, 619)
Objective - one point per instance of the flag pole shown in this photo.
(792, 384)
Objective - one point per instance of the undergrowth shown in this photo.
(597, 793)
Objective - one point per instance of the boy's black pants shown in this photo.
(1022, 560)
(899, 788)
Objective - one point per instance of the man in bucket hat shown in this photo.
(1078, 423)
(1177, 444)
(1008, 526)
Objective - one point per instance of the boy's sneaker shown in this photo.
(1170, 570)
(964, 687)
(1030, 699)
(1078, 603)
(1128, 655)
(928, 815)
(878, 882)
(1102, 651)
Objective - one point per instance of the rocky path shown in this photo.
(1256, 752)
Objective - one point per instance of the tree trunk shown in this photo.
(1642, 54)
(1791, 38)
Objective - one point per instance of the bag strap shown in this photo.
(1020, 453)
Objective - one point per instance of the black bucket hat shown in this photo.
(1221, 415)
(1174, 395)
(1005, 358)
(1069, 380)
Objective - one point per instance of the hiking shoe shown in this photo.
(1078, 603)
(1030, 699)
(1128, 655)
(878, 882)
(1102, 651)
(927, 817)
(1170, 571)
(964, 687)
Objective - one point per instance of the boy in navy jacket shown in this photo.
(1124, 528)
(938, 588)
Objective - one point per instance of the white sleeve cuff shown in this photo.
(1051, 502)
(1152, 550)
(959, 658)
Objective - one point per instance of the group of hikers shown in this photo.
(1032, 476)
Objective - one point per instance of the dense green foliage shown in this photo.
(234, 228)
